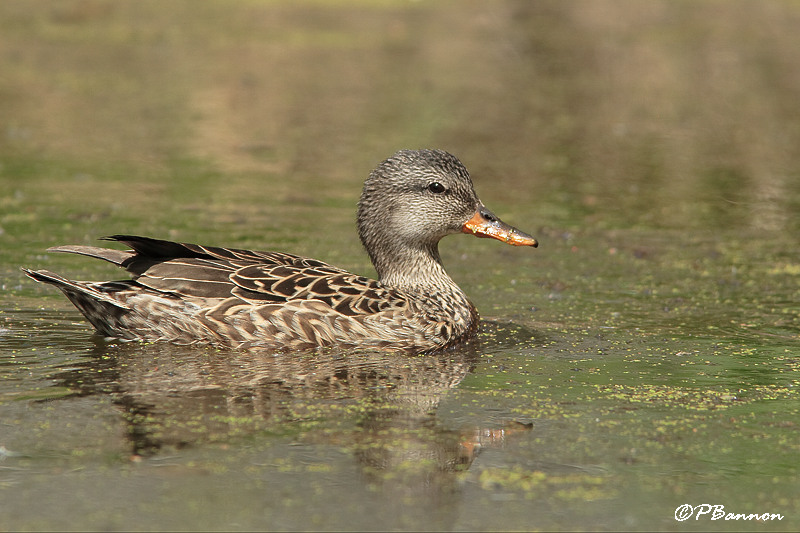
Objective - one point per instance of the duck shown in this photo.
(191, 294)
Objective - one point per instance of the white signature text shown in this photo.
(717, 512)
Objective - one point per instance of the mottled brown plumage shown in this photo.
(186, 293)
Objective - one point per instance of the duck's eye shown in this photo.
(436, 187)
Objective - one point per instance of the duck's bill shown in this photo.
(484, 223)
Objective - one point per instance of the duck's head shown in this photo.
(416, 197)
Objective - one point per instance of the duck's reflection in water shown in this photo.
(382, 406)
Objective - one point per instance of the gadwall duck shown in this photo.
(186, 293)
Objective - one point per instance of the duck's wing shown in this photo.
(198, 273)
(345, 293)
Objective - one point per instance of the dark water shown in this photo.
(646, 356)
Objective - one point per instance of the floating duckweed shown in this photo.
(538, 484)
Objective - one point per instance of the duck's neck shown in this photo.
(419, 271)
